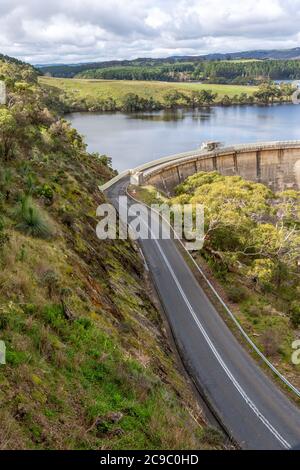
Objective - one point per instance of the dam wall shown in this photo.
(275, 164)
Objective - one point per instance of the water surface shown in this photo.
(133, 139)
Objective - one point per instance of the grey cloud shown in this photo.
(87, 30)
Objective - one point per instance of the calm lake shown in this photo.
(132, 139)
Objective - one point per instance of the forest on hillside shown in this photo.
(211, 71)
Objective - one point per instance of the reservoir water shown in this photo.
(133, 139)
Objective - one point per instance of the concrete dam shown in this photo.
(275, 164)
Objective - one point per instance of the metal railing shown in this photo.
(224, 305)
(165, 160)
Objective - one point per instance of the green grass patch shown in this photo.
(118, 89)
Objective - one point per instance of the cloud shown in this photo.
(87, 30)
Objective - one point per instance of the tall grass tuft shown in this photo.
(31, 220)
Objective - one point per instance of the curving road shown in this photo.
(251, 407)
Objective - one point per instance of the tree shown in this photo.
(287, 89)
(134, 103)
(207, 97)
(249, 230)
(172, 98)
(226, 101)
(201, 98)
(267, 92)
(243, 98)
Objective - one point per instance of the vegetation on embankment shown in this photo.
(105, 95)
(133, 96)
(251, 253)
(88, 361)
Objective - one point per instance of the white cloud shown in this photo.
(86, 30)
(157, 18)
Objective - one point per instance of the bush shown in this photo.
(68, 219)
(31, 220)
(53, 315)
(236, 294)
(46, 192)
(51, 280)
(271, 342)
(212, 436)
(253, 310)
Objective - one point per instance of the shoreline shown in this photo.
(178, 108)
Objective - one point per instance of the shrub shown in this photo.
(212, 436)
(236, 294)
(46, 192)
(51, 280)
(16, 358)
(253, 310)
(31, 220)
(29, 309)
(53, 316)
(270, 342)
(68, 219)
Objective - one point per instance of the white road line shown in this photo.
(236, 322)
(249, 402)
(234, 381)
(144, 259)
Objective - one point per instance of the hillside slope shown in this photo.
(70, 70)
(88, 360)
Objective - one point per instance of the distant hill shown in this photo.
(258, 54)
(12, 60)
(70, 70)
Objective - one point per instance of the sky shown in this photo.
(70, 31)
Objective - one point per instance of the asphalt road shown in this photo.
(254, 411)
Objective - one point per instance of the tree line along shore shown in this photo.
(134, 96)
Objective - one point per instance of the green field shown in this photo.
(117, 89)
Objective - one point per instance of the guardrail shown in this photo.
(224, 305)
(165, 160)
(114, 180)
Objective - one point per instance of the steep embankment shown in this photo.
(88, 361)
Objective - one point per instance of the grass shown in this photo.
(31, 220)
(65, 381)
(117, 89)
(104, 378)
(89, 365)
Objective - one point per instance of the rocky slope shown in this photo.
(88, 360)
